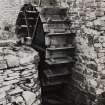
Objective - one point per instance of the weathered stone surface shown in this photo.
(3, 64)
(29, 97)
(92, 66)
(13, 73)
(101, 55)
(12, 61)
(90, 31)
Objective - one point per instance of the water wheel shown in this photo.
(51, 36)
(28, 24)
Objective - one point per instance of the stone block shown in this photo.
(95, 74)
(13, 74)
(90, 73)
(92, 90)
(90, 16)
(11, 78)
(16, 90)
(1, 57)
(17, 69)
(78, 84)
(29, 97)
(101, 50)
(26, 72)
(103, 45)
(99, 13)
(17, 100)
(93, 83)
(26, 59)
(101, 60)
(101, 55)
(98, 45)
(8, 71)
(79, 67)
(89, 24)
(99, 91)
(92, 66)
(7, 83)
(3, 64)
(12, 61)
(78, 76)
(102, 39)
(102, 74)
(2, 98)
(96, 39)
(102, 28)
(101, 67)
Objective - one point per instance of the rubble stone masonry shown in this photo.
(88, 75)
(87, 86)
(19, 83)
(8, 11)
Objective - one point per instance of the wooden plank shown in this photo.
(62, 48)
(56, 73)
(59, 61)
(59, 42)
(47, 83)
(32, 11)
(54, 11)
(52, 21)
(59, 34)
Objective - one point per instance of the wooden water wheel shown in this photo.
(29, 24)
(52, 37)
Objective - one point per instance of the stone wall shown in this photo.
(88, 79)
(8, 11)
(19, 83)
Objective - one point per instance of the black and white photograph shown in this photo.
(52, 52)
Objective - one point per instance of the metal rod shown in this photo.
(26, 22)
(35, 27)
(36, 21)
